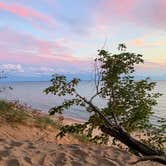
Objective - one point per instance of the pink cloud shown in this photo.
(107, 11)
(139, 12)
(120, 6)
(26, 13)
(59, 64)
(24, 49)
(9, 57)
(151, 13)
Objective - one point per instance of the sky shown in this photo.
(42, 37)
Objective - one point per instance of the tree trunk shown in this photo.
(121, 135)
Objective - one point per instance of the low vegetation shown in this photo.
(17, 113)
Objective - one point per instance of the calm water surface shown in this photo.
(32, 94)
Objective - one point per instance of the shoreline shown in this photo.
(154, 118)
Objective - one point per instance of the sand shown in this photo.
(26, 145)
(39, 153)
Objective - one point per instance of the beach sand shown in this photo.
(26, 145)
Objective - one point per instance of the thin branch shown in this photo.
(95, 95)
(95, 109)
(105, 42)
(98, 72)
(97, 76)
(97, 79)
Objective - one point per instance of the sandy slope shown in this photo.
(24, 145)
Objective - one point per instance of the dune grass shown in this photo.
(12, 114)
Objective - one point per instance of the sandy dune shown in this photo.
(24, 145)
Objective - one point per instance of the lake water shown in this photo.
(32, 94)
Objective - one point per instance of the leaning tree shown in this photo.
(129, 104)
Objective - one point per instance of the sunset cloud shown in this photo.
(138, 12)
(26, 13)
(27, 50)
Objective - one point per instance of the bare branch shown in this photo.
(97, 75)
(98, 71)
(95, 95)
(95, 109)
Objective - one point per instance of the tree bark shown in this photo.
(121, 135)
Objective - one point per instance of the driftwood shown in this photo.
(146, 152)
